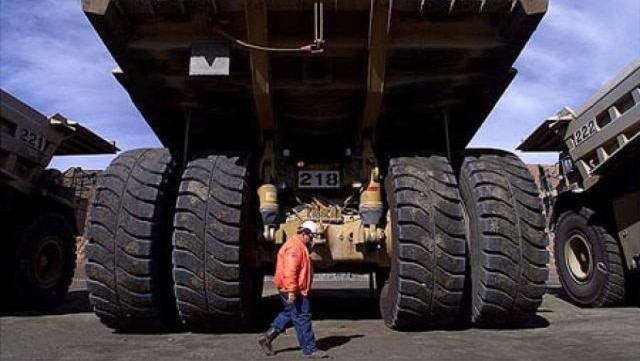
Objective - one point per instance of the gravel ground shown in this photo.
(347, 325)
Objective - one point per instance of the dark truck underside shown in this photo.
(437, 57)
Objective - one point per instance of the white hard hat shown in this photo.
(309, 225)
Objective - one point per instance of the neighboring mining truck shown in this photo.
(353, 114)
(595, 209)
(39, 228)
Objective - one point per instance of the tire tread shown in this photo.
(426, 284)
(507, 238)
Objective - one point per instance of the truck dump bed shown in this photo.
(389, 68)
(28, 141)
(603, 133)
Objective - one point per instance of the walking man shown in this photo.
(293, 278)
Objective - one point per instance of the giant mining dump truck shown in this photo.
(353, 114)
(39, 224)
(595, 209)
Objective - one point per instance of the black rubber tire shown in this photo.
(48, 238)
(129, 242)
(605, 284)
(7, 265)
(507, 241)
(425, 288)
(214, 287)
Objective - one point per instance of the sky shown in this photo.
(52, 59)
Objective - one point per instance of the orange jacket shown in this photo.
(294, 270)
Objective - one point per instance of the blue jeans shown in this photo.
(300, 315)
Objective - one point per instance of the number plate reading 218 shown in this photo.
(318, 179)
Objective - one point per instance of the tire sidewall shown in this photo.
(590, 291)
(46, 228)
(390, 291)
(390, 288)
(473, 235)
(250, 293)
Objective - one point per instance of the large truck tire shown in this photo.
(588, 260)
(129, 242)
(214, 285)
(45, 261)
(507, 241)
(425, 287)
(7, 265)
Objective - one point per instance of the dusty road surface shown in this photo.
(347, 325)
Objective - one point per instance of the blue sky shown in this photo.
(51, 58)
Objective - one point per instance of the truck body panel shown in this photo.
(627, 215)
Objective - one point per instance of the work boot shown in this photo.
(317, 354)
(265, 341)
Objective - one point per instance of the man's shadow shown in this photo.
(325, 343)
(329, 342)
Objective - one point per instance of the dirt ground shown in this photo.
(347, 325)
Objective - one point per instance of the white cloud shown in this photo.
(577, 48)
(53, 60)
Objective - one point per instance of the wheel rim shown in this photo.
(48, 262)
(578, 258)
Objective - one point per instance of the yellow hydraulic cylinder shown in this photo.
(371, 200)
(268, 195)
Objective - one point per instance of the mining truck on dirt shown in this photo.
(595, 209)
(353, 114)
(39, 225)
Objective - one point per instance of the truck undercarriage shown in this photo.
(353, 114)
